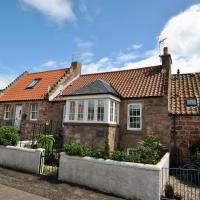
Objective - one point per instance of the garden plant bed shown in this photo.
(128, 180)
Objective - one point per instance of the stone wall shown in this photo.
(188, 132)
(155, 121)
(92, 135)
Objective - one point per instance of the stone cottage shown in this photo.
(184, 110)
(29, 98)
(123, 106)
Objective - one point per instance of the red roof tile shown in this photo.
(142, 82)
(187, 85)
(18, 92)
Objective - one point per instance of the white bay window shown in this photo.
(92, 109)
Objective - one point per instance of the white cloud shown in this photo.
(49, 63)
(136, 46)
(84, 44)
(183, 39)
(46, 66)
(58, 11)
(124, 57)
(6, 79)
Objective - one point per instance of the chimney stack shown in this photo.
(166, 68)
(166, 61)
(76, 67)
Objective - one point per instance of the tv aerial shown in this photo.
(161, 42)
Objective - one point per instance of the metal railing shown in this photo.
(181, 183)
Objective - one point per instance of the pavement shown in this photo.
(15, 185)
(9, 193)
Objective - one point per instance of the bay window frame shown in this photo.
(95, 98)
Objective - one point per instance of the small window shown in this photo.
(7, 112)
(191, 101)
(100, 110)
(72, 110)
(90, 110)
(33, 83)
(134, 120)
(80, 110)
(34, 112)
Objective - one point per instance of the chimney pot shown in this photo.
(165, 51)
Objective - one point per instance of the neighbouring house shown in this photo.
(29, 98)
(122, 106)
(185, 112)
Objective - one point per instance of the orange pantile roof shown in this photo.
(187, 85)
(17, 90)
(141, 82)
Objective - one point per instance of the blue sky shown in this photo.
(104, 35)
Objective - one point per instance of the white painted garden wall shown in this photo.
(28, 160)
(128, 180)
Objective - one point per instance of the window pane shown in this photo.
(100, 110)
(116, 111)
(80, 109)
(91, 110)
(72, 110)
(111, 110)
(7, 112)
(33, 83)
(134, 116)
(34, 110)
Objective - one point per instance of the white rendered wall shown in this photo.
(22, 159)
(128, 180)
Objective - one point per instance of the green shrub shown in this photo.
(148, 151)
(195, 153)
(99, 154)
(46, 142)
(121, 156)
(9, 136)
(74, 149)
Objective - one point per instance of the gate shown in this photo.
(181, 183)
(50, 158)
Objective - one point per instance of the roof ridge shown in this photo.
(50, 70)
(120, 70)
(191, 73)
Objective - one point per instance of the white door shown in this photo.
(18, 116)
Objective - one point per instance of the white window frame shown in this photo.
(82, 113)
(68, 110)
(35, 111)
(106, 98)
(7, 111)
(128, 117)
(87, 110)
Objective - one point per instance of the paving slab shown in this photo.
(10, 193)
